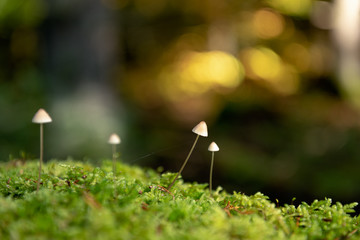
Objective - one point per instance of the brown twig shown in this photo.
(165, 190)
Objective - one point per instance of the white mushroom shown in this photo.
(213, 147)
(41, 117)
(200, 130)
(114, 140)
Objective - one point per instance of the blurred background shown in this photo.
(277, 81)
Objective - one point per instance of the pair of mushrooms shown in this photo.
(200, 130)
(41, 117)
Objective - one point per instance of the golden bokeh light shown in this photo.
(268, 24)
(265, 63)
(298, 55)
(195, 73)
(265, 67)
(222, 69)
(288, 81)
(299, 8)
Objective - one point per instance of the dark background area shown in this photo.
(277, 82)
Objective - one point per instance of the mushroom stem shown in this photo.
(41, 117)
(113, 140)
(186, 160)
(114, 159)
(211, 171)
(41, 155)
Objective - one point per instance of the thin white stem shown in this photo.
(211, 171)
(41, 154)
(114, 159)
(183, 166)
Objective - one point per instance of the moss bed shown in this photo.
(80, 201)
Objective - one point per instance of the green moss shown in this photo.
(80, 201)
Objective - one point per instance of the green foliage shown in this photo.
(80, 201)
(24, 13)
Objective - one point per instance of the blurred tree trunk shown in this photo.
(81, 42)
(80, 56)
(347, 37)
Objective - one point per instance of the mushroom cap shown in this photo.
(41, 116)
(114, 139)
(213, 147)
(201, 129)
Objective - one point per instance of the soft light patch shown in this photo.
(195, 73)
(268, 24)
(265, 63)
(299, 8)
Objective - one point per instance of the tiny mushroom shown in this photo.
(200, 130)
(41, 117)
(213, 147)
(114, 140)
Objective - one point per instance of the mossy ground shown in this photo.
(80, 201)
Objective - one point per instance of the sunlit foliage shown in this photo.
(81, 201)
